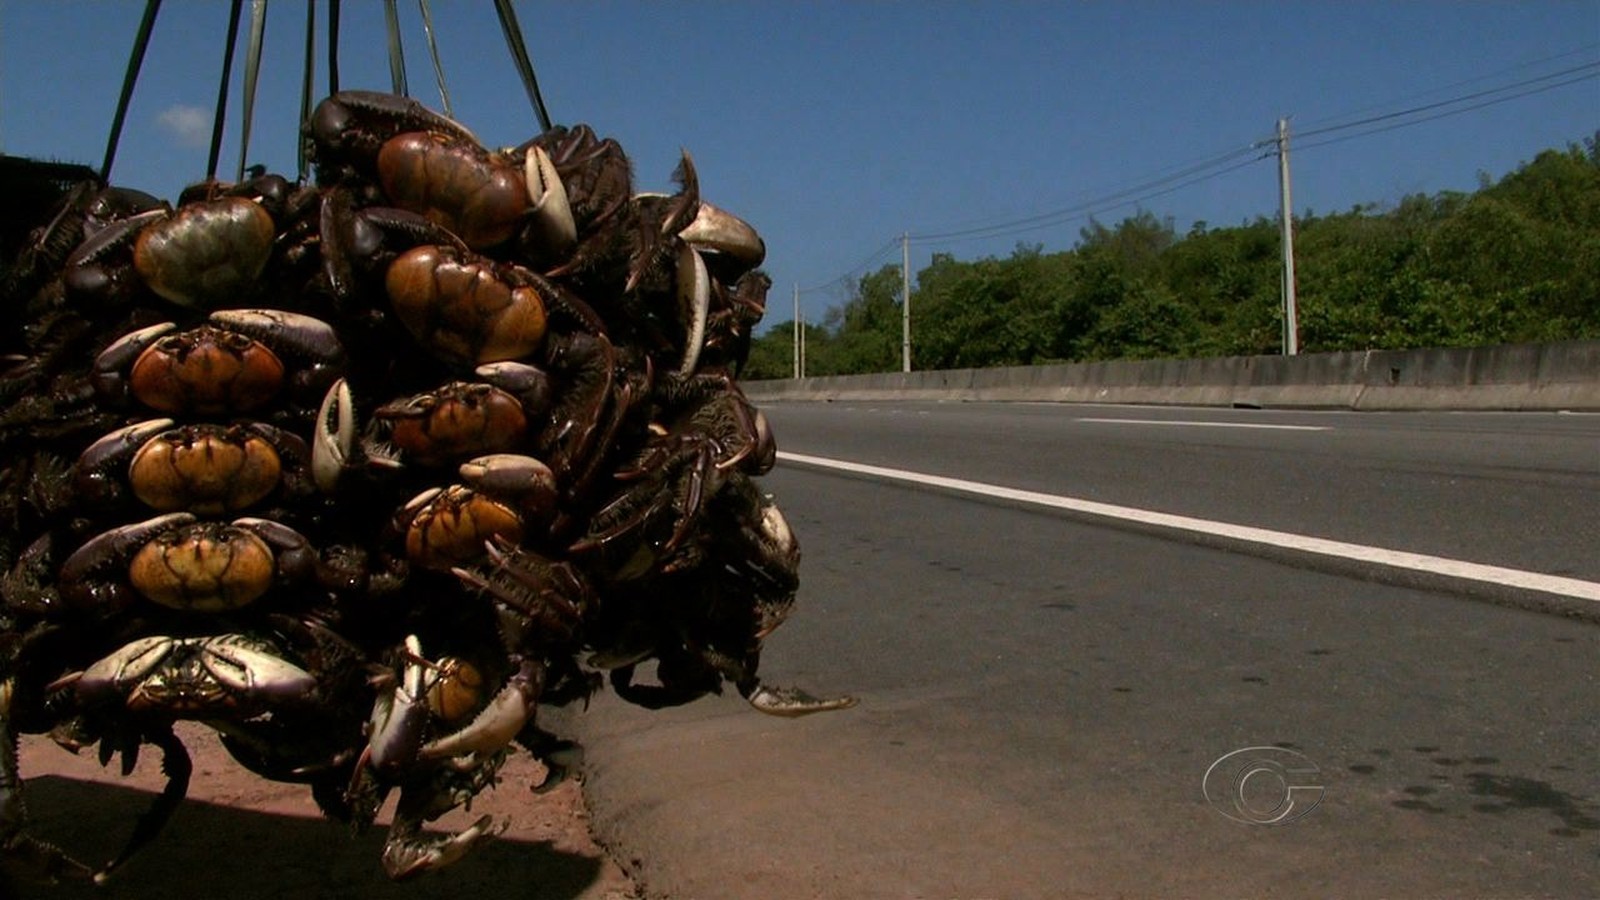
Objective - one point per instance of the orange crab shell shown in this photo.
(207, 567)
(455, 184)
(450, 528)
(461, 309)
(205, 469)
(209, 371)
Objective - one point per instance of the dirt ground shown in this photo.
(242, 837)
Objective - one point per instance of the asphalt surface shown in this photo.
(1046, 698)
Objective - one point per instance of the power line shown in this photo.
(1044, 220)
(1219, 165)
(1116, 200)
(1586, 48)
(854, 270)
(1587, 67)
(1445, 114)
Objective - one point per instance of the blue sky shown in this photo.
(834, 127)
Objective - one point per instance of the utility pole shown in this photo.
(905, 301)
(797, 329)
(1291, 326)
(802, 346)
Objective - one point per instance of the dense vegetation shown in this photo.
(1516, 260)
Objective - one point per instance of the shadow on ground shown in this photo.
(210, 850)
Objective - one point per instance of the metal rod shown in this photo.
(252, 72)
(220, 117)
(519, 55)
(397, 53)
(433, 50)
(141, 41)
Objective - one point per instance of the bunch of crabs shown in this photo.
(358, 472)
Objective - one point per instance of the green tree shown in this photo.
(1516, 260)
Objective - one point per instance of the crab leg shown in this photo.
(15, 842)
(407, 853)
(177, 766)
(587, 359)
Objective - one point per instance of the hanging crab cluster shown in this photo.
(359, 472)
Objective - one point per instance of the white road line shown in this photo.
(1197, 424)
(1437, 565)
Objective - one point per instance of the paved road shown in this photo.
(1044, 695)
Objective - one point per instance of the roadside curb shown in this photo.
(1562, 375)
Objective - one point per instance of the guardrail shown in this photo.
(1549, 376)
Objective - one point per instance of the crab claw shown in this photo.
(791, 702)
(80, 585)
(512, 475)
(551, 224)
(94, 478)
(310, 335)
(694, 294)
(399, 716)
(334, 438)
(717, 230)
(499, 722)
(235, 662)
(408, 853)
(120, 354)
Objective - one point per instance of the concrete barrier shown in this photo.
(1560, 375)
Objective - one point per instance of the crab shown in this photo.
(131, 697)
(201, 255)
(439, 737)
(711, 626)
(709, 429)
(234, 364)
(181, 563)
(647, 257)
(461, 419)
(468, 309)
(505, 496)
(431, 165)
(483, 405)
(207, 469)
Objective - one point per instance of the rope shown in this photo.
(258, 22)
(302, 166)
(141, 42)
(519, 55)
(433, 50)
(333, 46)
(397, 53)
(221, 114)
(252, 71)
